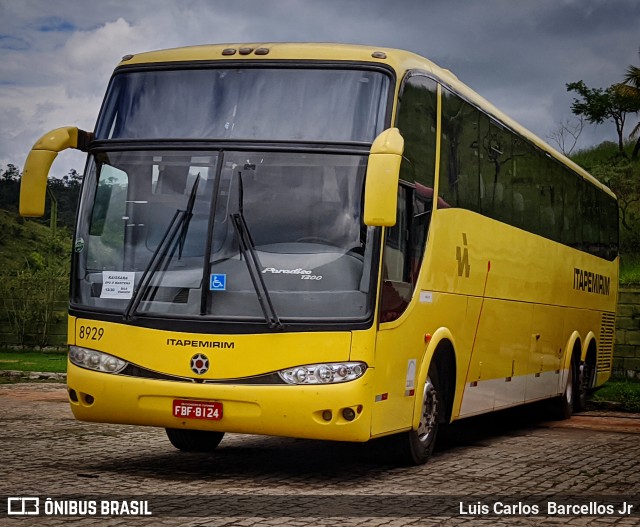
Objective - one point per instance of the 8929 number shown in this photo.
(90, 333)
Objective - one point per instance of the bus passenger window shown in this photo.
(403, 251)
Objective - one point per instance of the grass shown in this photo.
(630, 270)
(602, 154)
(621, 394)
(55, 362)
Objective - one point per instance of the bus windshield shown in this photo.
(300, 212)
(266, 104)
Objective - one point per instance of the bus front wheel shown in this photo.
(415, 447)
(194, 440)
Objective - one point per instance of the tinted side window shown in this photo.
(417, 124)
(494, 152)
(489, 169)
(459, 163)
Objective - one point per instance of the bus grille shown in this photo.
(607, 334)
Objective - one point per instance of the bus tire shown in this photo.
(415, 447)
(194, 440)
(583, 386)
(564, 408)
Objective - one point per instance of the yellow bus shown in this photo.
(324, 241)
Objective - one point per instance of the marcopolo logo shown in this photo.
(200, 364)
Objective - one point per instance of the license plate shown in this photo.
(211, 411)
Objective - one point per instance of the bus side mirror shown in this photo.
(381, 181)
(33, 186)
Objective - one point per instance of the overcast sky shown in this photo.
(56, 56)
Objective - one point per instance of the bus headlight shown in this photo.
(95, 360)
(323, 373)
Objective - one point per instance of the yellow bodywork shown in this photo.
(512, 321)
(288, 410)
(33, 186)
(502, 299)
(382, 179)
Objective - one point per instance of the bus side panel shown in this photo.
(400, 353)
(546, 360)
(500, 362)
(534, 294)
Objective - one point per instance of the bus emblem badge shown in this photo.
(200, 364)
(463, 257)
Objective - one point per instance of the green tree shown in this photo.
(11, 173)
(623, 177)
(67, 193)
(631, 89)
(9, 188)
(598, 105)
(65, 190)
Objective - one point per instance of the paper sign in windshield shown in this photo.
(117, 284)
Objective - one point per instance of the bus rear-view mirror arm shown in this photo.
(33, 186)
(381, 182)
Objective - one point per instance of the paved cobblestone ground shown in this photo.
(253, 480)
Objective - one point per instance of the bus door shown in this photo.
(400, 341)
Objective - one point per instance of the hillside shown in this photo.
(604, 154)
(26, 242)
(34, 282)
(622, 175)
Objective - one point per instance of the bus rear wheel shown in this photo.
(584, 382)
(564, 407)
(415, 447)
(194, 440)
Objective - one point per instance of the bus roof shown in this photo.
(399, 60)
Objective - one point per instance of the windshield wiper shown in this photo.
(188, 214)
(179, 223)
(247, 248)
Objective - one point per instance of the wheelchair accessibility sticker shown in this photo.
(218, 282)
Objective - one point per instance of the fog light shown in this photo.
(327, 415)
(348, 414)
(73, 396)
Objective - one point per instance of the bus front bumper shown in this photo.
(310, 411)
